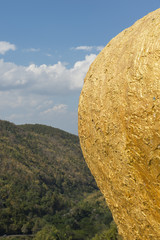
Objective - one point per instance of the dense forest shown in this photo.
(46, 188)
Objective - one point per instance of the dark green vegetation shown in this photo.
(46, 189)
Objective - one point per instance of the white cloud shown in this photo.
(44, 79)
(45, 94)
(48, 55)
(99, 48)
(44, 104)
(20, 108)
(85, 48)
(31, 50)
(89, 48)
(57, 108)
(6, 46)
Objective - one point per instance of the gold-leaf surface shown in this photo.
(119, 127)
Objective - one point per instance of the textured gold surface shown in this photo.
(119, 127)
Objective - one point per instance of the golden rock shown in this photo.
(119, 127)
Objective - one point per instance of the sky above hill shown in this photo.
(46, 48)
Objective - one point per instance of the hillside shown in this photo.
(45, 184)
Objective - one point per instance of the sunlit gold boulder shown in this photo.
(119, 127)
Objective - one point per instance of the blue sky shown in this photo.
(46, 47)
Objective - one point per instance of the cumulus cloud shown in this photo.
(42, 94)
(44, 79)
(6, 46)
(57, 108)
(89, 48)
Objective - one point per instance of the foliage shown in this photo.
(50, 232)
(46, 184)
(108, 234)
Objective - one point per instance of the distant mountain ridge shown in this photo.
(45, 180)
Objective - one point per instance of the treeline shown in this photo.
(46, 189)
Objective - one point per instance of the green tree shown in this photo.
(109, 234)
(50, 232)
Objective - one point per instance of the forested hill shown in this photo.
(45, 184)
